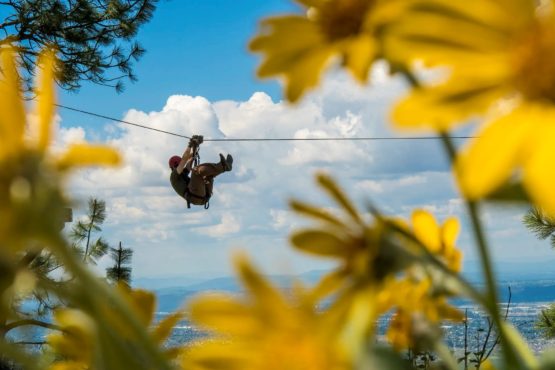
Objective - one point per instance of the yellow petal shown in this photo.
(81, 155)
(433, 33)
(287, 40)
(294, 48)
(449, 233)
(317, 213)
(69, 365)
(445, 106)
(331, 187)
(499, 15)
(12, 113)
(426, 230)
(268, 298)
(491, 158)
(45, 98)
(359, 55)
(305, 73)
(327, 285)
(321, 243)
(217, 355)
(224, 314)
(165, 327)
(454, 260)
(144, 304)
(538, 174)
(82, 334)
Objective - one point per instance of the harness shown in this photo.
(207, 188)
(206, 199)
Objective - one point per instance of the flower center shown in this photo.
(340, 19)
(535, 63)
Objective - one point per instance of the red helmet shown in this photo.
(174, 161)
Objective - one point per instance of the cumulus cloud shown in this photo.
(379, 186)
(228, 225)
(249, 204)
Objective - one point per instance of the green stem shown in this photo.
(485, 257)
(511, 360)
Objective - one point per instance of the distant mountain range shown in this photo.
(525, 287)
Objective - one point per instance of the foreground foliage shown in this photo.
(383, 264)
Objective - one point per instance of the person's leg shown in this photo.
(207, 171)
(196, 184)
(201, 172)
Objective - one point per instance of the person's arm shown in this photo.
(188, 154)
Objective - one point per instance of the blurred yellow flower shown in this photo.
(30, 185)
(350, 239)
(13, 118)
(264, 331)
(81, 345)
(418, 311)
(143, 304)
(439, 240)
(500, 59)
(77, 340)
(299, 47)
(380, 266)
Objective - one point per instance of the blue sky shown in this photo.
(197, 77)
(194, 47)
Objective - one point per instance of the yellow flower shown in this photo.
(500, 58)
(418, 312)
(265, 330)
(30, 174)
(350, 239)
(299, 47)
(13, 118)
(439, 240)
(78, 340)
(82, 344)
(143, 303)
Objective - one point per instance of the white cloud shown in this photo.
(249, 205)
(281, 219)
(228, 225)
(380, 186)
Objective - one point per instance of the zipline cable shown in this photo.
(118, 120)
(266, 139)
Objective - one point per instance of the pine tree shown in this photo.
(94, 39)
(83, 231)
(120, 272)
(543, 226)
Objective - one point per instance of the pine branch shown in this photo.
(539, 223)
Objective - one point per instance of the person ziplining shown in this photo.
(196, 188)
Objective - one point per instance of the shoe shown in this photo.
(226, 162)
(229, 162)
